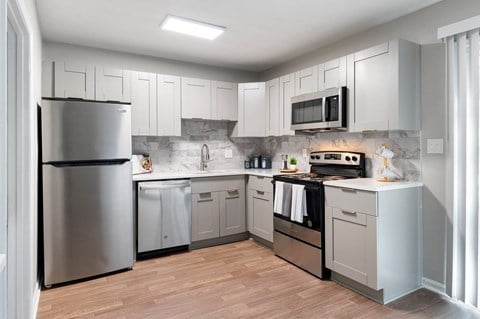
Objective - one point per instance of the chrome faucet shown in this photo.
(204, 157)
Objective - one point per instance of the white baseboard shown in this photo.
(36, 301)
(434, 286)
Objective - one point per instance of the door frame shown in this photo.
(21, 228)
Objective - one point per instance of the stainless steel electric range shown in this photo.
(301, 240)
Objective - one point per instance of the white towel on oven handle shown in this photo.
(278, 201)
(299, 203)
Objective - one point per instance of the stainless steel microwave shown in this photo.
(320, 111)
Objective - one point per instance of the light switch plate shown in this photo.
(228, 153)
(305, 152)
(435, 146)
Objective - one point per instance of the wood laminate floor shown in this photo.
(240, 280)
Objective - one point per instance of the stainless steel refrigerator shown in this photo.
(87, 189)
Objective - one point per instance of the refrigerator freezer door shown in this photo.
(88, 221)
(83, 131)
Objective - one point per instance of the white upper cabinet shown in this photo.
(287, 90)
(144, 103)
(196, 99)
(224, 101)
(112, 84)
(306, 80)
(272, 105)
(74, 80)
(168, 106)
(383, 84)
(251, 110)
(332, 74)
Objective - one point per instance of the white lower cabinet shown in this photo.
(260, 207)
(218, 207)
(372, 240)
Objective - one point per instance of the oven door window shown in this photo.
(307, 111)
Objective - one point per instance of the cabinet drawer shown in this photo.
(351, 200)
(260, 183)
(217, 184)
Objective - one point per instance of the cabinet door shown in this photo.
(74, 80)
(144, 104)
(351, 245)
(205, 216)
(260, 214)
(332, 74)
(251, 109)
(306, 80)
(370, 85)
(196, 99)
(287, 90)
(232, 212)
(272, 104)
(169, 120)
(112, 84)
(224, 101)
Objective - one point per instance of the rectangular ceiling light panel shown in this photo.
(191, 27)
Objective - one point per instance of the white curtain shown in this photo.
(464, 138)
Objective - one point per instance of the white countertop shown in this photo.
(371, 184)
(3, 262)
(199, 174)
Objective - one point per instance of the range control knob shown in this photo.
(317, 157)
(312, 157)
(347, 158)
(354, 158)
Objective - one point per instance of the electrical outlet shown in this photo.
(435, 146)
(228, 153)
(305, 152)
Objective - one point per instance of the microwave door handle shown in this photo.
(324, 107)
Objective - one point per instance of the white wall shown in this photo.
(420, 27)
(61, 51)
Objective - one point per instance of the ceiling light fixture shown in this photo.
(191, 27)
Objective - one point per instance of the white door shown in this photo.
(144, 103)
(168, 106)
(196, 99)
(287, 90)
(112, 84)
(332, 74)
(306, 80)
(272, 104)
(74, 80)
(251, 109)
(370, 87)
(8, 216)
(224, 101)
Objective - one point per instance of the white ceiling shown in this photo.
(259, 35)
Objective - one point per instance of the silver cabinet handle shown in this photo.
(151, 187)
(349, 190)
(346, 212)
(260, 193)
(232, 192)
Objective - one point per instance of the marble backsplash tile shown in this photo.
(183, 153)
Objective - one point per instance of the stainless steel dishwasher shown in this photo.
(164, 215)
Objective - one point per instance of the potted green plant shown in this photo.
(293, 163)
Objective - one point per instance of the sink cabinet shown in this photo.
(218, 207)
(372, 240)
